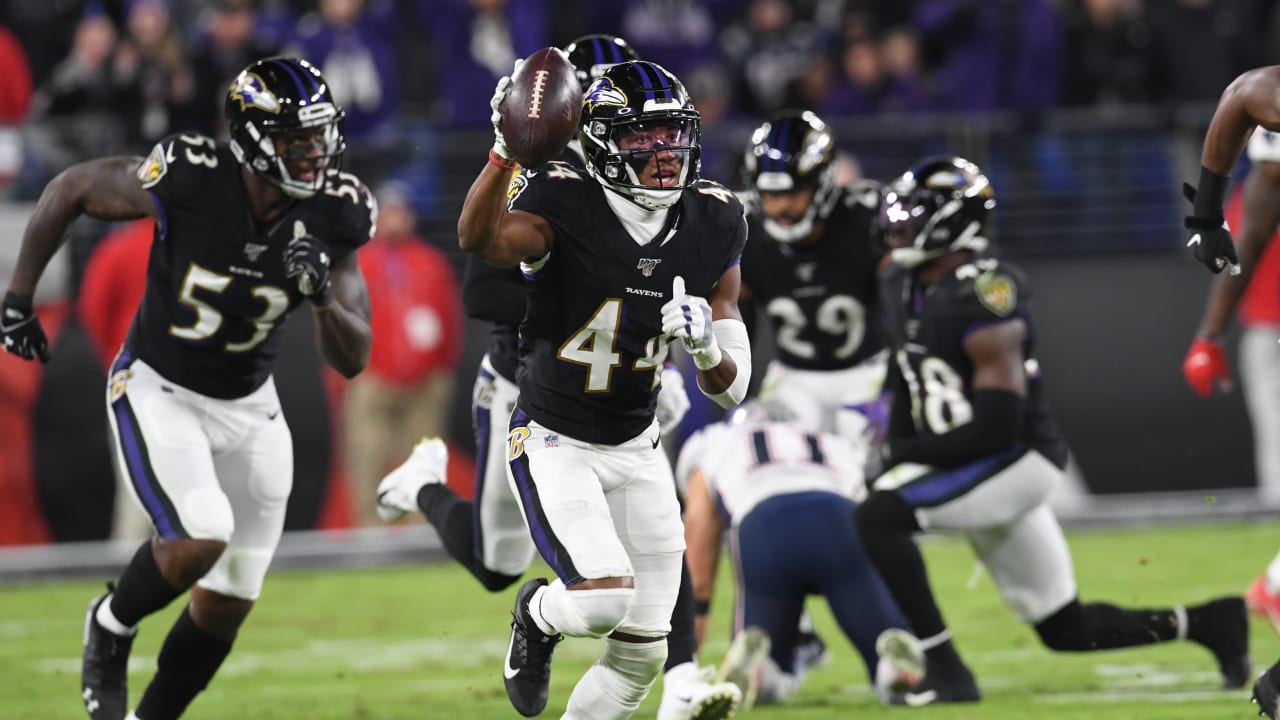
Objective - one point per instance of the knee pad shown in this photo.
(597, 612)
(1065, 630)
(885, 512)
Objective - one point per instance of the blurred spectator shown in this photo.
(768, 51)
(1201, 45)
(1109, 46)
(110, 291)
(479, 41)
(405, 391)
(708, 86)
(45, 30)
(353, 45)
(679, 35)
(150, 67)
(227, 45)
(74, 114)
(993, 54)
(866, 86)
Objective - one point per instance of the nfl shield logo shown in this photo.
(647, 265)
(552, 441)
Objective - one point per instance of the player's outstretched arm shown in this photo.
(489, 231)
(105, 189)
(702, 530)
(1250, 100)
(343, 332)
(1205, 366)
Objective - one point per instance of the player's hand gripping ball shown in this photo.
(541, 107)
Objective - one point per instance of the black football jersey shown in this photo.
(498, 295)
(821, 298)
(216, 293)
(592, 345)
(927, 331)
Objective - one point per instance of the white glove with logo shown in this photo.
(688, 318)
(673, 401)
(499, 94)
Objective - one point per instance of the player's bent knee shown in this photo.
(185, 560)
(1066, 630)
(599, 610)
(884, 512)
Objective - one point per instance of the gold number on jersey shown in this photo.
(937, 396)
(592, 346)
(209, 320)
(343, 185)
(203, 150)
(839, 315)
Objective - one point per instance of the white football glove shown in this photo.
(673, 401)
(499, 94)
(688, 318)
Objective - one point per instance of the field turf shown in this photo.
(425, 643)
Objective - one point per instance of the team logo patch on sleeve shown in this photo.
(518, 183)
(997, 292)
(153, 167)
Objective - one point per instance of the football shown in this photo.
(541, 109)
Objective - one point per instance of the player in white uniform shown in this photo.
(785, 494)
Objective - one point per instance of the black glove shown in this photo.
(307, 260)
(1209, 239)
(20, 330)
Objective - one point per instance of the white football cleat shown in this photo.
(398, 491)
(901, 666)
(744, 663)
(689, 694)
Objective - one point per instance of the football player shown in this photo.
(785, 494)
(972, 447)
(489, 536)
(245, 234)
(813, 272)
(619, 260)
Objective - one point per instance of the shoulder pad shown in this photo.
(994, 286)
(176, 163)
(862, 193)
(352, 207)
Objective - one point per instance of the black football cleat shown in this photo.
(1264, 696)
(526, 671)
(1227, 623)
(952, 684)
(104, 669)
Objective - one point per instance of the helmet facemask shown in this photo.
(278, 151)
(650, 159)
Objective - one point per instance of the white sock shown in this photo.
(616, 684)
(108, 620)
(682, 673)
(1273, 576)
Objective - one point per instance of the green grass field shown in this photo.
(425, 643)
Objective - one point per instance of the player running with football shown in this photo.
(488, 536)
(972, 447)
(620, 260)
(245, 234)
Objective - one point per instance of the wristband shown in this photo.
(504, 164)
(701, 607)
(1210, 194)
(18, 302)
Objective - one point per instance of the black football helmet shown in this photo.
(626, 107)
(277, 96)
(940, 205)
(792, 150)
(591, 55)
